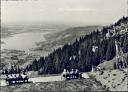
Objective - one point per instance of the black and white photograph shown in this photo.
(64, 45)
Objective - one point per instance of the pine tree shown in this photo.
(59, 59)
(35, 65)
(110, 50)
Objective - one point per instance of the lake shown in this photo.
(23, 41)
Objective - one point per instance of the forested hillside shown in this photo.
(80, 54)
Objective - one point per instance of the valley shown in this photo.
(35, 41)
(71, 48)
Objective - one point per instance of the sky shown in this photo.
(67, 11)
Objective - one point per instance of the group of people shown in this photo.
(16, 78)
(70, 72)
(10, 76)
(73, 74)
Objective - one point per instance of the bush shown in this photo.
(114, 74)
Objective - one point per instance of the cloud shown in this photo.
(63, 10)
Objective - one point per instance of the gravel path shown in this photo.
(52, 78)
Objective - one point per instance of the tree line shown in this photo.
(79, 55)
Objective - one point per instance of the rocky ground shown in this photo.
(113, 80)
(109, 80)
(107, 65)
(58, 86)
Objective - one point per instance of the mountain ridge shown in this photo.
(80, 55)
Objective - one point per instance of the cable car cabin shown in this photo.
(74, 74)
(16, 78)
